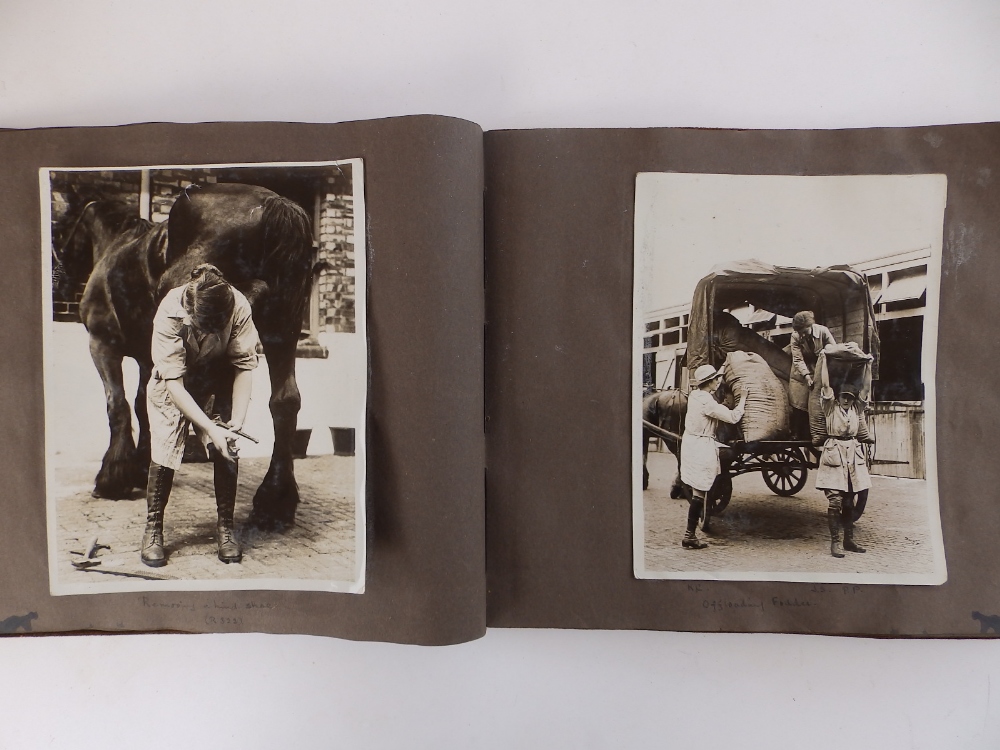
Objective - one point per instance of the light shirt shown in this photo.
(176, 345)
(704, 413)
(805, 347)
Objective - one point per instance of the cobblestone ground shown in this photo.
(321, 546)
(761, 532)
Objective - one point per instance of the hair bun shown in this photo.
(209, 298)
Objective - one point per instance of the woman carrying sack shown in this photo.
(843, 470)
(699, 448)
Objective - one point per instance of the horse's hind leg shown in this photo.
(277, 497)
(141, 462)
(645, 454)
(115, 479)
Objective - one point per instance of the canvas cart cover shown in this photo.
(838, 295)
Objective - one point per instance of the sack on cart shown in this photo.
(767, 411)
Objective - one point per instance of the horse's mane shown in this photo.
(117, 215)
(120, 216)
(107, 223)
(133, 227)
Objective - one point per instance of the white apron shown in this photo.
(699, 449)
(699, 461)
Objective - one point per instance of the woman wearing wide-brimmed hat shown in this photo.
(699, 448)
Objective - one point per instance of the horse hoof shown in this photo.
(117, 480)
(106, 494)
(267, 522)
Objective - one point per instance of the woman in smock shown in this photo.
(699, 448)
(843, 471)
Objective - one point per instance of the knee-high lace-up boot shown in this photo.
(226, 475)
(848, 520)
(158, 485)
(691, 540)
(833, 519)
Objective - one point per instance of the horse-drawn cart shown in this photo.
(840, 299)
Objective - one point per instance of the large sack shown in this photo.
(817, 418)
(767, 410)
(836, 366)
(847, 363)
(730, 336)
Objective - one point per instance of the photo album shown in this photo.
(403, 380)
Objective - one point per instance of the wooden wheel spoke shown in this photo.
(783, 472)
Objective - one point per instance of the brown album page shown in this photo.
(623, 263)
(369, 269)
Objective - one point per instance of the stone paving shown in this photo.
(762, 532)
(320, 547)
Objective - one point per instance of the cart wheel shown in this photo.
(860, 501)
(717, 500)
(788, 475)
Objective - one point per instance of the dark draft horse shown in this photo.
(262, 243)
(665, 409)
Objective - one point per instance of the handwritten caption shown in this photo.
(816, 596)
(216, 612)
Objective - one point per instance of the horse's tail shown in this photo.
(287, 260)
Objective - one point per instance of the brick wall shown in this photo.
(166, 184)
(70, 193)
(335, 283)
(336, 253)
(72, 190)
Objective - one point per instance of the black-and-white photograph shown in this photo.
(783, 378)
(205, 376)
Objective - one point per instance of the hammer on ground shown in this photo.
(89, 554)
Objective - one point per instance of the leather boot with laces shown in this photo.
(849, 544)
(226, 475)
(833, 520)
(160, 480)
(229, 549)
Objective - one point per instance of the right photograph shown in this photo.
(784, 353)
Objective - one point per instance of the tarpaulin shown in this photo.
(785, 290)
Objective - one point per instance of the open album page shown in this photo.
(245, 379)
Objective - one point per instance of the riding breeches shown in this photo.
(836, 499)
(168, 427)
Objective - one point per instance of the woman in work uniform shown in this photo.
(808, 339)
(198, 326)
(843, 471)
(699, 449)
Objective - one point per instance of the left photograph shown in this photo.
(206, 369)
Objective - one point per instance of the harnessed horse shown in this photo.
(262, 243)
(665, 409)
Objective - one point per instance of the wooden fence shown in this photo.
(899, 434)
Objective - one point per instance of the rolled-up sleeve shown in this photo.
(242, 349)
(167, 346)
(795, 345)
(723, 414)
